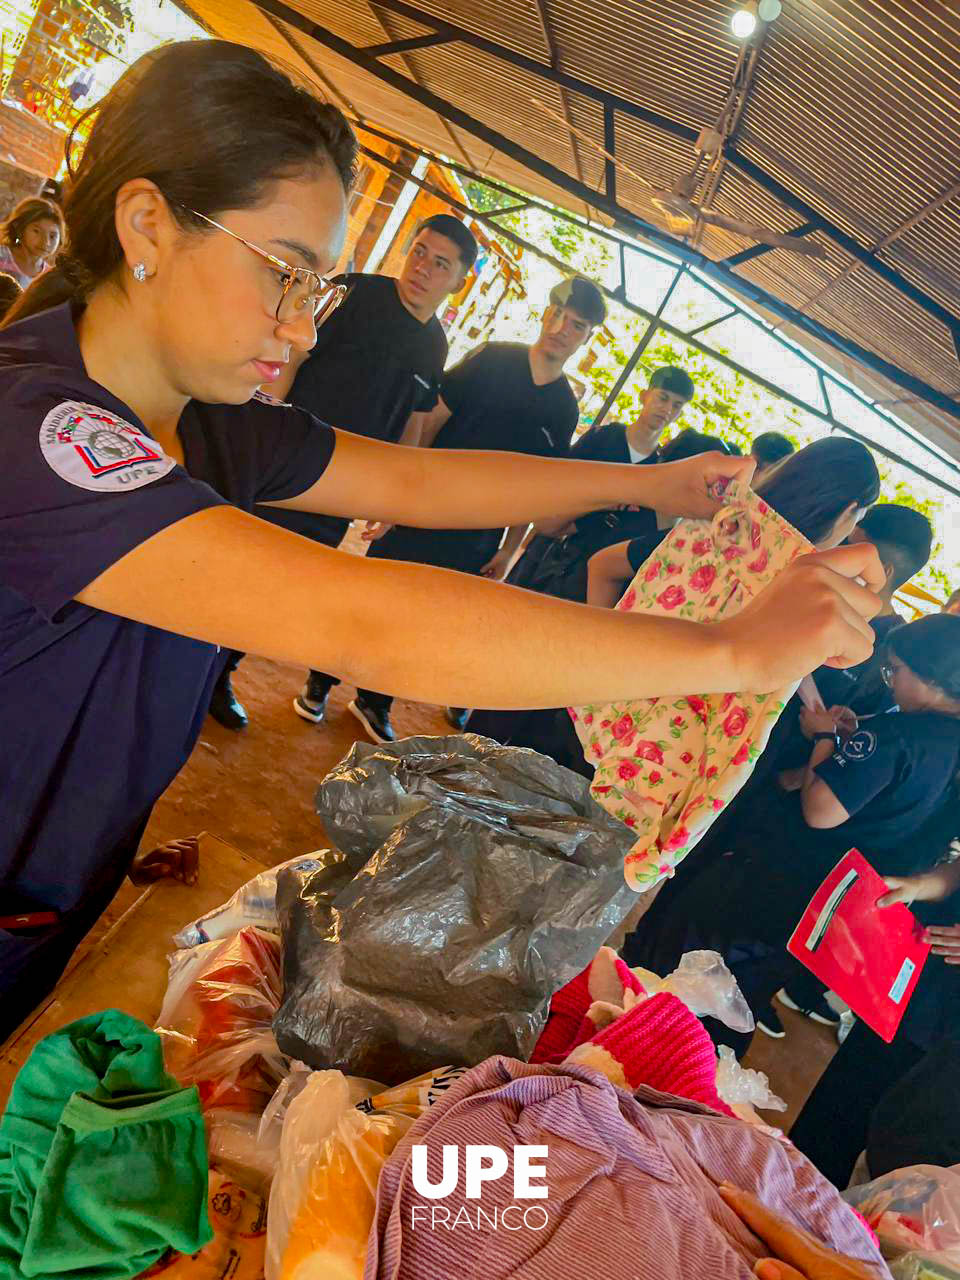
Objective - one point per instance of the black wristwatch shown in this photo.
(824, 734)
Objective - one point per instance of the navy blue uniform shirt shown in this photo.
(892, 775)
(99, 713)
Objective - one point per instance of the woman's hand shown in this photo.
(374, 530)
(813, 614)
(496, 567)
(944, 939)
(178, 860)
(692, 486)
(926, 886)
(832, 720)
(795, 1254)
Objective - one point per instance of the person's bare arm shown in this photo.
(228, 578)
(555, 528)
(412, 433)
(821, 808)
(500, 564)
(467, 489)
(607, 570)
(933, 885)
(795, 1254)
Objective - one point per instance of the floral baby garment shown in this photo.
(665, 766)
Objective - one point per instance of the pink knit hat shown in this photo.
(606, 979)
(659, 1043)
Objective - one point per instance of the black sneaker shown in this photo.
(225, 708)
(375, 720)
(311, 702)
(309, 709)
(819, 1011)
(769, 1023)
(457, 717)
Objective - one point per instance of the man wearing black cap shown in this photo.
(375, 370)
(503, 396)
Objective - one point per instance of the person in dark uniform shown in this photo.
(899, 1100)
(136, 446)
(556, 558)
(502, 395)
(375, 370)
(873, 791)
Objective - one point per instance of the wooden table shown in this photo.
(127, 967)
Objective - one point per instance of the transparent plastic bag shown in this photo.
(238, 1216)
(323, 1198)
(739, 1085)
(289, 1089)
(707, 987)
(216, 1018)
(916, 1215)
(234, 1146)
(254, 903)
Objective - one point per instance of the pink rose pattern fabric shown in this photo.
(666, 766)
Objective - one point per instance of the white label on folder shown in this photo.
(907, 970)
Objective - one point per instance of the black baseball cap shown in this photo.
(580, 295)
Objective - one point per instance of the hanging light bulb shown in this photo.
(769, 10)
(744, 23)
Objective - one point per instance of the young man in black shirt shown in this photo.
(555, 559)
(375, 370)
(505, 396)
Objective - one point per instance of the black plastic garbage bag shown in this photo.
(473, 881)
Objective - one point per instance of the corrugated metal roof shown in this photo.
(854, 109)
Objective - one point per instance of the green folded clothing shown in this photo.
(103, 1162)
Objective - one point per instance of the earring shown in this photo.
(140, 272)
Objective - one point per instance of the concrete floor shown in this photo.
(255, 790)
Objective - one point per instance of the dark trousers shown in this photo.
(319, 684)
(832, 1128)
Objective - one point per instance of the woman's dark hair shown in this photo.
(33, 209)
(930, 647)
(687, 444)
(812, 487)
(212, 124)
(771, 447)
(9, 293)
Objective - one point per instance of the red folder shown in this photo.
(870, 956)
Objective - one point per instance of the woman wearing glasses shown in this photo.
(135, 445)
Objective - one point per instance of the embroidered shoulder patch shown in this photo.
(94, 449)
(861, 746)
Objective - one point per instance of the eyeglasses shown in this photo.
(300, 288)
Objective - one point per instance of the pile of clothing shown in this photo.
(95, 1136)
(444, 973)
